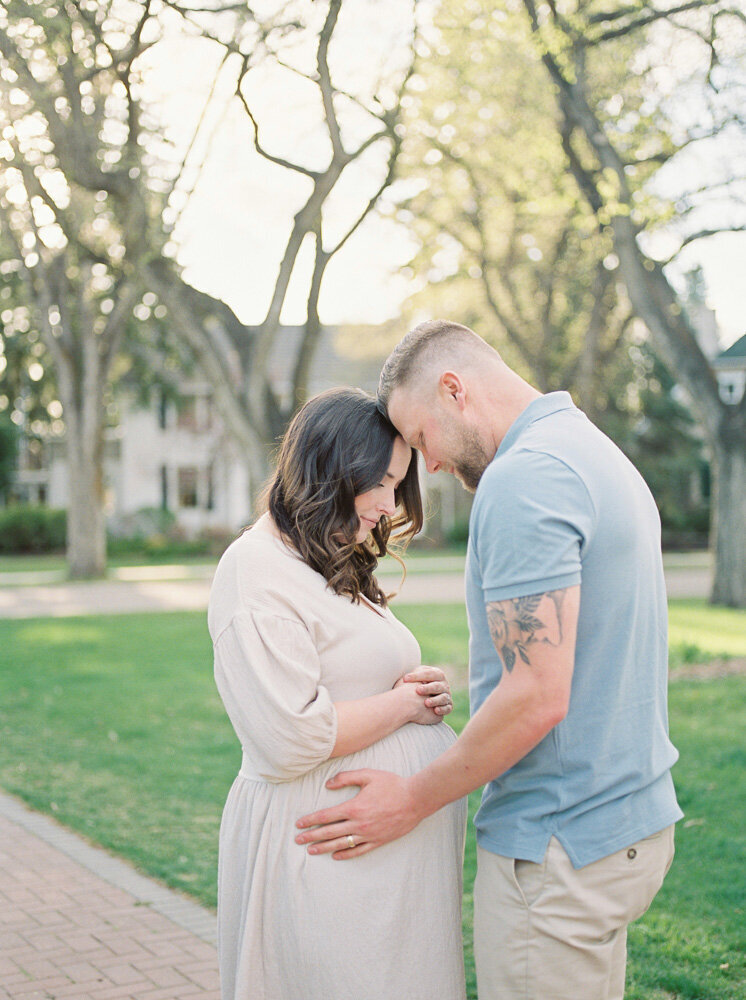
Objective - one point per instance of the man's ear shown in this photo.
(453, 389)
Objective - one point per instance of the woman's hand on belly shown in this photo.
(435, 691)
(367, 720)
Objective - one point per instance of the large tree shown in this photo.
(92, 195)
(354, 138)
(688, 57)
(562, 144)
(506, 240)
(79, 215)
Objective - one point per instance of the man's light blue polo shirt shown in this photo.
(561, 505)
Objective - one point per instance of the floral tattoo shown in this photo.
(518, 623)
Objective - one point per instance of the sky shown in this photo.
(233, 232)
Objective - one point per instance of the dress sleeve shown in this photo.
(267, 671)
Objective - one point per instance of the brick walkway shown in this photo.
(79, 924)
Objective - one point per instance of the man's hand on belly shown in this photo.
(383, 810)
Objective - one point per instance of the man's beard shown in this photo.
(472, 461)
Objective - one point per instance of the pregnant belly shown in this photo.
(404, 752)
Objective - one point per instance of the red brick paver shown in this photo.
(67, 933)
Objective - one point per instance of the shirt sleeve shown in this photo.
(267, 671)
(532, 517)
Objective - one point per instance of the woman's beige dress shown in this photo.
(291, 926)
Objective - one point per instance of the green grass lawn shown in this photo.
(43, 563)
(699, 632)
(113, 725)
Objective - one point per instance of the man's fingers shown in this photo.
(345, 778)
(334, 814)
(341, 812)
(340, 847)
(355, 852)
(324, 834)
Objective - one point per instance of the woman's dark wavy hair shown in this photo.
(338, 446)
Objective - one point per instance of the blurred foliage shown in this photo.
(8, 453)
(656, 430)
(509, 245)
(155, 533)
(31, 528)
(507, 242)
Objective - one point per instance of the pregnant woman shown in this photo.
(317, 677)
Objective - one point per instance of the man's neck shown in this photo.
(505, 400)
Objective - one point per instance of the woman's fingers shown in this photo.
(424, 674)
(433, 688)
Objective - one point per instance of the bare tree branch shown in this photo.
(645, 20)
(703, 234)
(192, 142)
(312, 329)
(325, 83)
(651, 294)
(279, 160)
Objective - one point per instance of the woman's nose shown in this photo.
(388, 504)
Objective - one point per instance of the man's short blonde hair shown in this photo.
(436, 341)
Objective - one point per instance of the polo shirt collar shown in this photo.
(551, 402)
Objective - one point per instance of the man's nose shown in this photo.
(431, 465)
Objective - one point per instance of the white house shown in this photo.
(730, 370)
(165, 456)
(178, 457)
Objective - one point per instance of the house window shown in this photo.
(195, 414)
(163, 412)
(164, 488)
(210, 489)
(187, 479)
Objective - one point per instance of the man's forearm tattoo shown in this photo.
(522, 621)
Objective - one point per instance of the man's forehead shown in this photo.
(403, 410)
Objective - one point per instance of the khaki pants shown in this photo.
(550, 932)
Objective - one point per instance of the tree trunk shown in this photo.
(655, 302)
(81, 393)
(260, 468)
(729, 511)
(86, 526)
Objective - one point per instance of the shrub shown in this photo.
(32, 528)
(458, 534)
(155, 534)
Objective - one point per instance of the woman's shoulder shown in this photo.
(259, 572)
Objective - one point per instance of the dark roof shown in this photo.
(737, 350)
(333, 364)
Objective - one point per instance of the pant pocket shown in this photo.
(650, 860)
(529, 878)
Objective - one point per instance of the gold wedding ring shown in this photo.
(350, 841)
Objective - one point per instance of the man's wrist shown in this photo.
(421, 799)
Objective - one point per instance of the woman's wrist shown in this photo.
(408, 702)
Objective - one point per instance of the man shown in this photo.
(568, 666)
